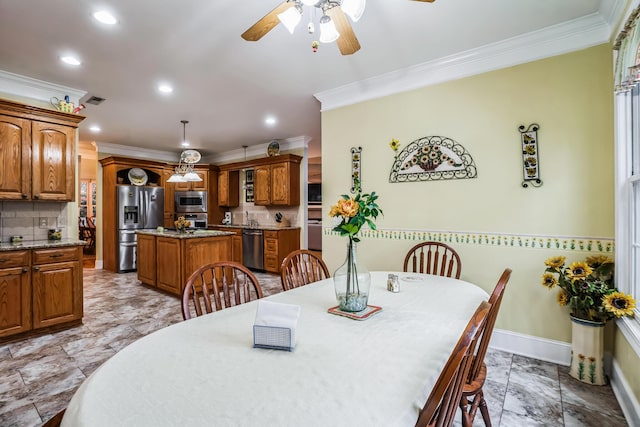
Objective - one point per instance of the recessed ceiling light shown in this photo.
(105, 17)
(95, 129)
(165, 88)
(71, 60)
(270, 121)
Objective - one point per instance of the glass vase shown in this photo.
(352, 281)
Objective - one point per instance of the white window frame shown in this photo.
(627, 124)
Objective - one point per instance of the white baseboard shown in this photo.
(527, 345)
(624, 394)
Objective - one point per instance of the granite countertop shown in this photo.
(195, 234)
(40, 244)
(253, 227)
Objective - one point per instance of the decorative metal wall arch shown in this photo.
(432, 158)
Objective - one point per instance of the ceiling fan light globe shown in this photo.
(353, 8)
(328, 31)
(290, 18)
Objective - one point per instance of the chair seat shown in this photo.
(472, 388)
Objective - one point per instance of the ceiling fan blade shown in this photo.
(429, 1)
(347, 42)
(267, 23)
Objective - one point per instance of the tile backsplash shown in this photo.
(25, 218)
(264, 215)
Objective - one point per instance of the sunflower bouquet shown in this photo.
(587, 288)
(182, 224)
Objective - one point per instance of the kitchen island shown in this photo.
(167, 258)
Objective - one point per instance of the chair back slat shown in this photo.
(433, 258)
(495, 300)
(302, 267)
(442, 403)
(217, 286)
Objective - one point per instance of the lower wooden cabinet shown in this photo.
(277, 245)
(167, 262)
(40, 288)
(15, 293)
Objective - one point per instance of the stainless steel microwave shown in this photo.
(190, 201)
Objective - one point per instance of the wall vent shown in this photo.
(95, 100)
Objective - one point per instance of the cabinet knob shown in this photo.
(36, 196)
(36, 268)
(25, 270)
(24, 196)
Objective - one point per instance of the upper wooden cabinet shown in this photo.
(276, 180)
(229, 188)
(277, 184)
(38, 146)
(203, 173)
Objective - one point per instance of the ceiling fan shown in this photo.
(334, 25)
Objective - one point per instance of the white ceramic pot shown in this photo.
(587, 351)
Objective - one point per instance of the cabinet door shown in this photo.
(261, 191)
(15, 300)
(169, 202)
(195, 185)
(53, 162)
(169, 262)
(15, 158)
(236, 248)
(280, 184)
(57, 293)
(223, 188)
(147, 260)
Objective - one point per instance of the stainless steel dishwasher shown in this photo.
(253, 248)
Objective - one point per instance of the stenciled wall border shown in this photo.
(567, 243)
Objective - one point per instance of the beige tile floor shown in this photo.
(39, 375)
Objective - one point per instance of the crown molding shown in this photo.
(260, 150)
(36, 89)
(105, 148)
(581, 33)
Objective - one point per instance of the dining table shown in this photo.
(341, 372)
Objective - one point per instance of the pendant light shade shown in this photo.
(291, 17)
(184, 171)
(353, 8)
(328, 31)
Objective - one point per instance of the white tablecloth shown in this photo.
(343, 372)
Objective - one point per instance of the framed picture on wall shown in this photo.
(249, 176)
(249, 193)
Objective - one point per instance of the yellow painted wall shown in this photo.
(570, 96)
(629, 362)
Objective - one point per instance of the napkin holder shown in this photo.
(275, 325)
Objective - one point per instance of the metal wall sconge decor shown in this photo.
(432, 158)
(530, 160)
(356, 164)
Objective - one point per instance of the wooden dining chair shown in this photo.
(56, 420)
(442, 404)
(217, 286)
(472, 395)
(433, 258)
(302, 267)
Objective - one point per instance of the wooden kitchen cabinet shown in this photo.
(277, 184)
(39, 146)
(229, 188)
(168, 264)
(57, 286)
(147, 264)
(15, 293)
(236, 242)
(277, 245)
(203, 172)
(169, 202)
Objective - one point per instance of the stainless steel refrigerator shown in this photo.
(139, 208)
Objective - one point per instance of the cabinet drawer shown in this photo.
(271, 246)
(45, 256)
(271, 263)
(270, 234)
(14, 259)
